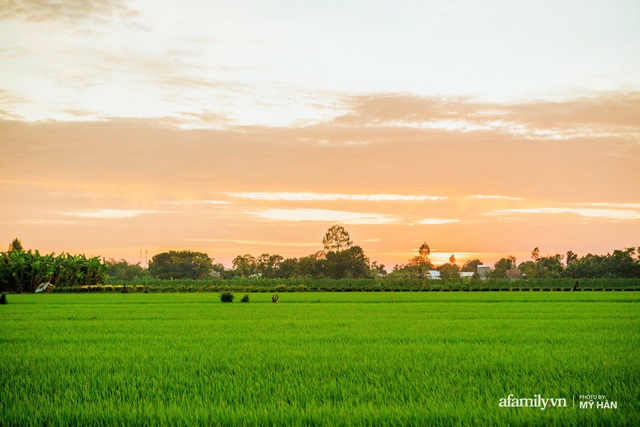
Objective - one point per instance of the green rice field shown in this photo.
(378, 358)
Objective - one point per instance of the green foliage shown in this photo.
(122, 270)
(181, 265)
(3, 298)
(227, 297)
(350, 262)
(245, 265)
(245, 298)
(501, 266)
(471, 265)
(449, 271)
(417, 267)
(621, 263)
(23, 271)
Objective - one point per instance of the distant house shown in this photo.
(466, 274)
(433, 275)
(514, 274)
(483, 271)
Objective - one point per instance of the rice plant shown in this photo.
(374, 358)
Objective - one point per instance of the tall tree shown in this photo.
(535, 254)
(16, 245)
(244, 265)
(268, 265)
(336, 239)
(416, 267)
(571, 257)
(422, 259)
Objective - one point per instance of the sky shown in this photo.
(483, 128)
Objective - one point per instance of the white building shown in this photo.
(483, 271)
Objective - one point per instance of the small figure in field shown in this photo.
(575, 287)
(274, 298)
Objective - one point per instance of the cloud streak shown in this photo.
(110, 213)
(67, 10)
(324, 215)
(324, 197)
(611, 214)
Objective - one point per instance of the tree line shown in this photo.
(23, 270)
(341, 259)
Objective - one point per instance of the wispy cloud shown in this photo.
(437, 221)
(494, 197)
(266, 243)
(612, 214)
(614, 205)
(197, 202)
(324, 215)
(110, 213)
(68, 10)
(306, 197)
(605, 114)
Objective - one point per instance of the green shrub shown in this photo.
(227, 296)
(245, 298)
(3, 298)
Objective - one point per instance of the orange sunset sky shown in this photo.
(484, 128)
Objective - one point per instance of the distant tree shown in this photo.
(122, 270)
(219, 270)
(268, 265)
(416, 267)
(452, 259)
(449, 271)
(535, 254)
(471, 265)
(311, 265)
(16, 246)
(621, 264)
(245, 265)
(181, 265)
(589, 266)
(500, 268)
(571, 257)
(547, 267)
(351, 262)
(287, 268)
(336, 239)
(550, 267)
(377, 269)
(422, 259)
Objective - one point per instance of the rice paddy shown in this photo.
(392, 358)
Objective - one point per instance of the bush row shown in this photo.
(369, 286)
